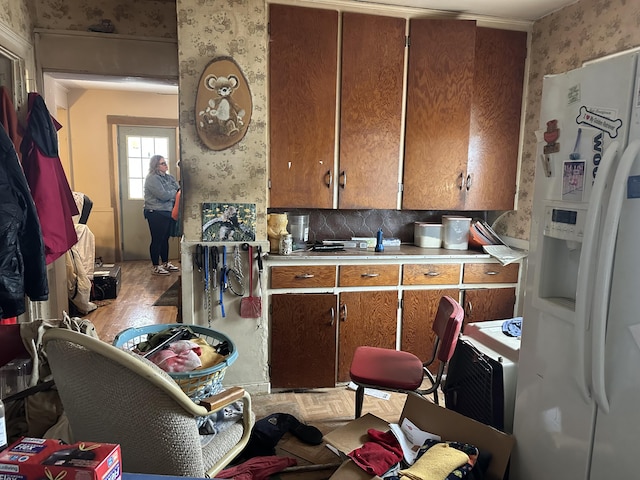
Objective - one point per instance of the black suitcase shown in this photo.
(106, 282)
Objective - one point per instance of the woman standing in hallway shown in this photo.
(160, 190)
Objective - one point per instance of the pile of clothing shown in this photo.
(80, 258)
(382, 455)
(180, 349)
(258, 460)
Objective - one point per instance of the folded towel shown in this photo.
(436, 463)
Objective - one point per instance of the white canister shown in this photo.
(455, 235)
(427, 235)
(299, 228)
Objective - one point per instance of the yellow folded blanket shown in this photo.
(436, 463)
(209, 357)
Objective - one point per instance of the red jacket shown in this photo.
(9, 119)
(47, 180)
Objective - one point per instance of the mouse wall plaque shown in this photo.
(223, 104)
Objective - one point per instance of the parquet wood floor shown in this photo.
(330, 406)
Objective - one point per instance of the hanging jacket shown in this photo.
(9, 119)
(46, 178)
(22, 260)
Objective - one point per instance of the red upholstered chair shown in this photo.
(398, 371)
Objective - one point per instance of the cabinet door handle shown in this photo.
(343, 312)
(333, 316)
(491, 272)
(328, 179)
(469, 311)
(370, 275)
(304, 276)
(432, 274)
(343, 174)
(468, 182)
(460, 181)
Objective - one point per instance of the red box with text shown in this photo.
(49, 459)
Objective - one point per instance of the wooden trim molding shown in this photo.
(141, 121)
(113, 121)
(106, 54)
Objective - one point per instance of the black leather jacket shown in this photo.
(22, 262)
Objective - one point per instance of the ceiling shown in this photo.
(101, 82)
(522, 10)
(527, 10)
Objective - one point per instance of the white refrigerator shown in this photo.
(577, 406)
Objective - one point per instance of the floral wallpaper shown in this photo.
(560, 42)
(147, 18)
(17, 16)
(208, 29)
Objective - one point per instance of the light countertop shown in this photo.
(390, 253)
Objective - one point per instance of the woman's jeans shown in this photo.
(160, 222)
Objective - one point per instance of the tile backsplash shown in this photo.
(344, 224)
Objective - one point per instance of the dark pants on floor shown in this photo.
(160, 223)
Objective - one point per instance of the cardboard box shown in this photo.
(450, 425)
(38, 458)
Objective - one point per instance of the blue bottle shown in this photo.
(379, 245)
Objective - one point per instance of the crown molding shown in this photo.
(364, 6)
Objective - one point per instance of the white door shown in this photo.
(616, 374)
(136, 145)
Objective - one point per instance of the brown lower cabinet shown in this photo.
(419, 309)
(486, 304)
(313, 335)
(366, 318)
(303, 340)
(304, 332)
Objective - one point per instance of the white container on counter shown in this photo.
(455, 234)
(427, 235)
(299, 229)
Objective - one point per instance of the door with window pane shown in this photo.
(136, 145)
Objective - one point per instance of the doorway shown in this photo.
(136, 145)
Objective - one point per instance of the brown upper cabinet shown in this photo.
(303, 54)
(371, 110)
(439, 91)
(495, 119)
(464, 97)
(336, 115)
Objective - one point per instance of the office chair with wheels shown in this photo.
(114, 396)
(398, 371)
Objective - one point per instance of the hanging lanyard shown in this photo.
(207, 283)
(223, 279)
(214, 267)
